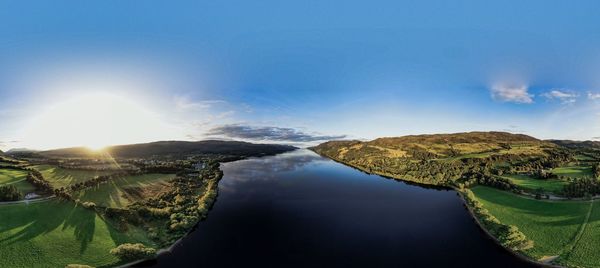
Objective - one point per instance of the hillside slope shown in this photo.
(440, 159)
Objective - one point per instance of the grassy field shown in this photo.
(530, 184)
(8, 176)
(554, 226)
(573, 171)
(122, 191)
(60, 177)
(53, 234)
(16, 178)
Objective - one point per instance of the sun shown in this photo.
(94, 121)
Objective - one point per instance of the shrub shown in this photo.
(88, 205)
(78, 266)
(130, 251)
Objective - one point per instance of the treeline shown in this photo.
(38, 181)
(508, 235)
(582, 187)
(488, 180)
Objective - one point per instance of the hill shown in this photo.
(233, 148)
(440, 159)
(577, 144)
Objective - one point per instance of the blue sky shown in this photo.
(306, 71)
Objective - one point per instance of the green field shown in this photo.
(530, 184)
(581, 157)
(558, 228)
(53, 234)
(8, 176)
(17, 179)
(60, 177)
(573, 171)
(115, 194)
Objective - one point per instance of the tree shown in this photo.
(10, 193)
(130, 251)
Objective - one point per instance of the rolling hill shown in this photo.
(234, 148)
(441, 158)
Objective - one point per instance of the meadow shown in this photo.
(530, 184)
(119, 192)
(54, 234)
(573, 171)
(17, 179)
(568, 229)
(61, 177)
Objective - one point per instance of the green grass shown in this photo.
(552, 225)
(8, 176)
(53, 234)
(585, 252)
(573, 171)
(581, 157)
(113, 194)
(530, 184)
(17, 179)
(60, 177)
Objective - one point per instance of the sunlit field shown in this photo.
(558, 228)
(61, 177)
(54, 234)
(120, 192)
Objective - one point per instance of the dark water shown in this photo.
(301, 210)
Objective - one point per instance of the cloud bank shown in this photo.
(516, 94)
(256, 133)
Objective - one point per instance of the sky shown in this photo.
(94, 73)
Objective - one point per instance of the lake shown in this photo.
(299, 209)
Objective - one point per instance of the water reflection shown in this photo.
(301, 210)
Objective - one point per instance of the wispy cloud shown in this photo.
(268, 134)
(593, 96)
(516, 94)
(185, 104)
(566, 97)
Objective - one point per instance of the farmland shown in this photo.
(60, 177)
(530, 184)
(56, 233)
(573, 171)
(554, 226)
(120, 192)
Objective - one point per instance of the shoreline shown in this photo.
(460, 194)
(169, 249)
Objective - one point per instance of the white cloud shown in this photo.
(565, 97)
(593, 96)
(516, 94)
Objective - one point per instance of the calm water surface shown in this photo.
(301, 210)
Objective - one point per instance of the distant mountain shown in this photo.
(235, 148)
(19, 151)
(577, 144)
